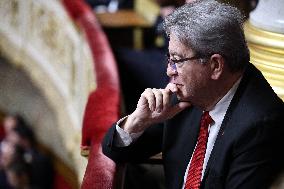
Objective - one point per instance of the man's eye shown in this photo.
(179, 64)
(175, 60)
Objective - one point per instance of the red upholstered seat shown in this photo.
(103, 104)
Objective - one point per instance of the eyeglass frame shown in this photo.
(174, 62)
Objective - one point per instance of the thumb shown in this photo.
(178, 108)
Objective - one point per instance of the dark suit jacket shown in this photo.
(247, 154)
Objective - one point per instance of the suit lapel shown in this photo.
(188, 138)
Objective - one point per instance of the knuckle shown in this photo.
(148, 90)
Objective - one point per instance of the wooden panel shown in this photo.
(122, 18)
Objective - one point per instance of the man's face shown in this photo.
(191, 77)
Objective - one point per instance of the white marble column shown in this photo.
(265, 35)
(269, 16)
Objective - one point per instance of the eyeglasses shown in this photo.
(174, 63)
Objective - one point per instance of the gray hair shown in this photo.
(210, 27)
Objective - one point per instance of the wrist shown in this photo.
(133, 124)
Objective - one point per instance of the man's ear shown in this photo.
(217, 66)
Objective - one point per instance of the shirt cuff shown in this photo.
(123, 138)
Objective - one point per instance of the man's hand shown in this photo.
(153, 107)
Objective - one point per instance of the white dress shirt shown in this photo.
(124, 138)
(217, 114)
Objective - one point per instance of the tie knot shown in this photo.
(206, 119)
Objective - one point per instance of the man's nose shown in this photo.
(171, 72)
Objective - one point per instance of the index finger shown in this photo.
(172, 88)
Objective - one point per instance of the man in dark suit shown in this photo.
(226, 128)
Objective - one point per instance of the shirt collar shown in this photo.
(221, 107)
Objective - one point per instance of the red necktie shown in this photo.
(193, 178)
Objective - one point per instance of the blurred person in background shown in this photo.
(10, 122)
(41, 166)
(19, 175)
(9, 153)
